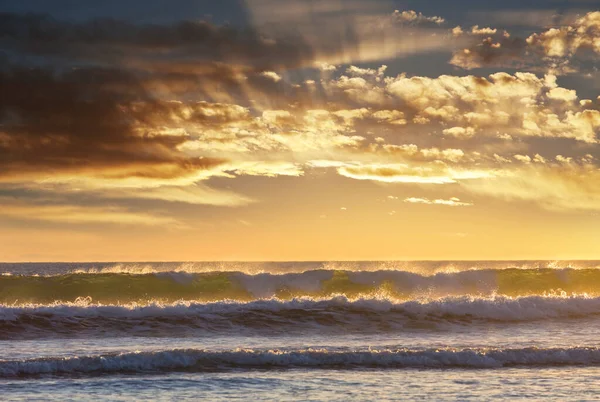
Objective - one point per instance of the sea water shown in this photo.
(476, 330)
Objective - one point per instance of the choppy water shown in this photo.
(317, 330)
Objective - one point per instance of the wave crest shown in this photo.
(279, 316)
(213, 286)
(203, 360)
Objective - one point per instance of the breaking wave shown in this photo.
(214, 286)
(197, 360)
(271, 317)
(286, 267)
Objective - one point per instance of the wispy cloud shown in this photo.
(452, 202)
(76, 214)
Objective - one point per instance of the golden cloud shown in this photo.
(452, 202)
(558, 50)
(566, 187)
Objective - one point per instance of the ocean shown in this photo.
(404, 330)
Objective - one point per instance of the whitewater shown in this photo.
(299, 330)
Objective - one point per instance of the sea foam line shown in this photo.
(198, 360)
(497, 308)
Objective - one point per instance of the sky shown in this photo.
(299, 130)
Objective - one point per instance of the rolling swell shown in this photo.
(272, 317)
(213, 286)
(197, 360)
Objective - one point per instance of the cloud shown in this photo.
(561, 50)
(566, 187)
(154, 112)
(326, 67)
(60, 123)
(566, 95)
(522, 158)
(271, 75)
(349, 32)
(500, 105)
(281, 37)
(513, 104)
(267, 169)
(145, 143)
(412, 152)
(194, 194)
(75, 214)
(411, 16)
(452, 202)
(392, 174)
(74, 132)
(402, 173)
(475, 30)
(568, 40)
(183, 43)
(357, 71)
(458, 131)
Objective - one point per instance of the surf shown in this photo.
(199, 360)
(301, 315)
(171, 286)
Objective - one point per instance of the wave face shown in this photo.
(272, 317)
(168, 287)
(196, 360)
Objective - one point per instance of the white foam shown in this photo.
(202, 360)
(499, 308)
(482, 281)
(267, 285)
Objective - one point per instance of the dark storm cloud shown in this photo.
(501, 51)
(75, 121)
(70, 92)
(66, 89)
(110, 40)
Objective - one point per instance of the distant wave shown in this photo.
(286, 267)
(202, 360)
(213, 286)
(338, 314)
